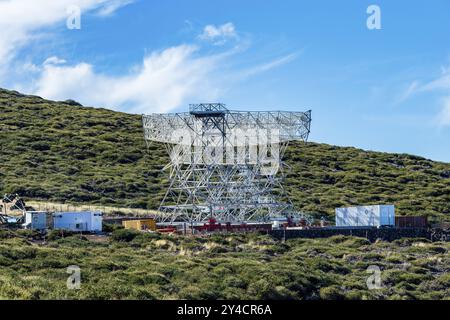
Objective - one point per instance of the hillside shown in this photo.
(61, 151)
(131, 265)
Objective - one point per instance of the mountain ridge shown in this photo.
(62, 151)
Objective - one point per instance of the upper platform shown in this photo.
(202, 120)
(203, 110)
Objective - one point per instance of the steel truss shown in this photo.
(225, 164)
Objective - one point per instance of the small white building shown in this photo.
(366, 216)
(90, 221)
(35, 220)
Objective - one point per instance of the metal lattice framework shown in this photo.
(225, 164)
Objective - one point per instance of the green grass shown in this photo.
(149, 266)
(62, 152)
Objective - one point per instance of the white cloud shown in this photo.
(219, 34)
(54, 60)
(440, 85)
(270, 65)
(21, 20)
(29, 67)
(410, 90)
(444, 115)
(112, 6)
(445, 69)
(164, 81)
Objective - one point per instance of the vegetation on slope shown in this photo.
(150, 266)
(324, 177)
(60, 151)
(64, 152)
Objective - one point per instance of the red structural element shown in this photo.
(167, 230)
(411, 222)
(212, 226)
(290, 222)
(303, 223)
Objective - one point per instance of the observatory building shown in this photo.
(225, 164)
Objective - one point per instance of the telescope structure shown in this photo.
(225, 164)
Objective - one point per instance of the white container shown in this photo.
(366, 216)
(276, 224)
(35, 220)
(90, 221)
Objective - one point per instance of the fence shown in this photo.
(372, 234)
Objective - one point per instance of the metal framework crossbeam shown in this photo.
(225, 164)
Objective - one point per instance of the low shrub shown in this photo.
(332, 293)
(56, 234)
(124, 235)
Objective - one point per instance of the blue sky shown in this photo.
(385, 90)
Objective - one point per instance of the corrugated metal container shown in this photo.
(35, 220)
(411, 221)
(366, 216)
(142, 224)
(78, 221)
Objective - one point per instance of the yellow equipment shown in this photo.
(140, 225)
